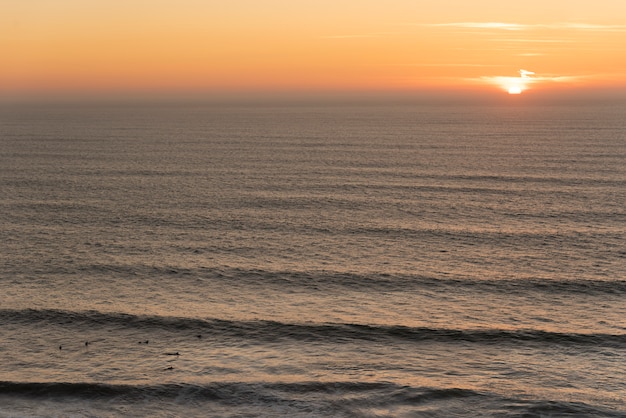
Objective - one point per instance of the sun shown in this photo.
(515, 90)
(514, 85)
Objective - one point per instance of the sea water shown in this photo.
(313, 260)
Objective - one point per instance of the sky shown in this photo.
(237, 46)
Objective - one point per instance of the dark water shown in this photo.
(313, 261)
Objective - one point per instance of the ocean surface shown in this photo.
(312, 260)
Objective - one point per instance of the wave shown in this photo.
(562, 180)
(337, 333)
(334, 398)
(213, 391)
(331, 280)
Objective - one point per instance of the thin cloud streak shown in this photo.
(527, 40)
(363, 35)
(588, 27)
(525, 27)
(481, 25)
(455, 65)
(529, 78)
(500, 26)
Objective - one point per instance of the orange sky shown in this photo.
(327, 45)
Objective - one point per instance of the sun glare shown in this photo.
(515, 90)
(516, 85)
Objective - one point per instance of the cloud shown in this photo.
(482, 25)
(361, 35)
(508, 26)
(588, 27)
(499, 26)
(540, 41)
(526, 78)
(454, 65)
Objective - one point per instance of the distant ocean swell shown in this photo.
(332, 333)
(331, 280)
(325, 398)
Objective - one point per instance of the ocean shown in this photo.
(311, 260)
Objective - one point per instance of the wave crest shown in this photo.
(326, 332)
